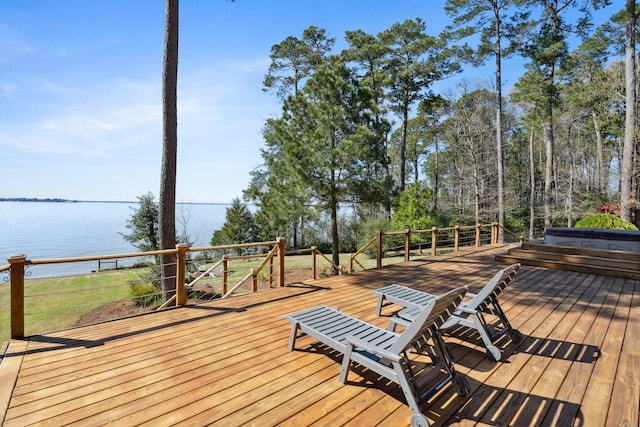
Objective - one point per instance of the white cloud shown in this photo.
(91, 121)
(118, 121)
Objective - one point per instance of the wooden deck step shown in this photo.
(539, 246)
(606, 271)
(594, 261)
(599, 261)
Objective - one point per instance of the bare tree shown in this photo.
(488, 18)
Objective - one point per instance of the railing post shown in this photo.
(478, 231)
(407, 244)
(494, 233)
(434, 241)
(270, 272)
(254, 280)
(17, 295)
(314, 262)
(379, 248)
(225, 273)
(456, 238)
(281, 241)
(181, 274)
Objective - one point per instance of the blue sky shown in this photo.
(80, 89)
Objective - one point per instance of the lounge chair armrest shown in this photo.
(356, 342)
(466, 310)
(394, 321)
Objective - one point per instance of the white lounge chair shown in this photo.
(470, 313)
(383, 351)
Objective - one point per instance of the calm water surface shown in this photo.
(42, 230)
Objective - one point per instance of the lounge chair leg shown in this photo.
(379, 306)
(486, 338)
(392, 324)
(346, 364)
(292, 337)
(410, 393)
(494, 353)
(461, 384)
(513, 334)
(419, 420)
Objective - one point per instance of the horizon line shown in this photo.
(63, 200)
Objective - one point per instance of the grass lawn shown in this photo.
(57, 303)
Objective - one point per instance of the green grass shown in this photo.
(57, 303)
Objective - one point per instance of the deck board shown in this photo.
(226, 362)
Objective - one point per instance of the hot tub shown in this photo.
(593, 238)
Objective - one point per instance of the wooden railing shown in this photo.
(434, 240)
(19, 263)
(276, 252)
(274, 259)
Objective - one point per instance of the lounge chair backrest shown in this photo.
(499, 281)
(434, 314)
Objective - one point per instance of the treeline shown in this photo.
(363, 142)
(35, 199)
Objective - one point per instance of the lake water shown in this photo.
(42, 230)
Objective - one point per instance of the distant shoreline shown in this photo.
(58, 200)
(35, 199)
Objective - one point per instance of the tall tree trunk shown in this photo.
(532, 183)
(461, 196)
(403, 148)
(572, 168)
(548, 170)
(499, 144)
(436, 183)
(476, 190)
(602, 174)
(295, 233)
(630, 115)
(570, 194)
(167, 198)
(335, 238)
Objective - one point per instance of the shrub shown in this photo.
(367, 230)
(606, 221)
(145, 294)
(146, 290)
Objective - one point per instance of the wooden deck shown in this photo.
(227, 363)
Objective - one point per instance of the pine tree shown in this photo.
(143, 225)
(239, 227)
(326, 141)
